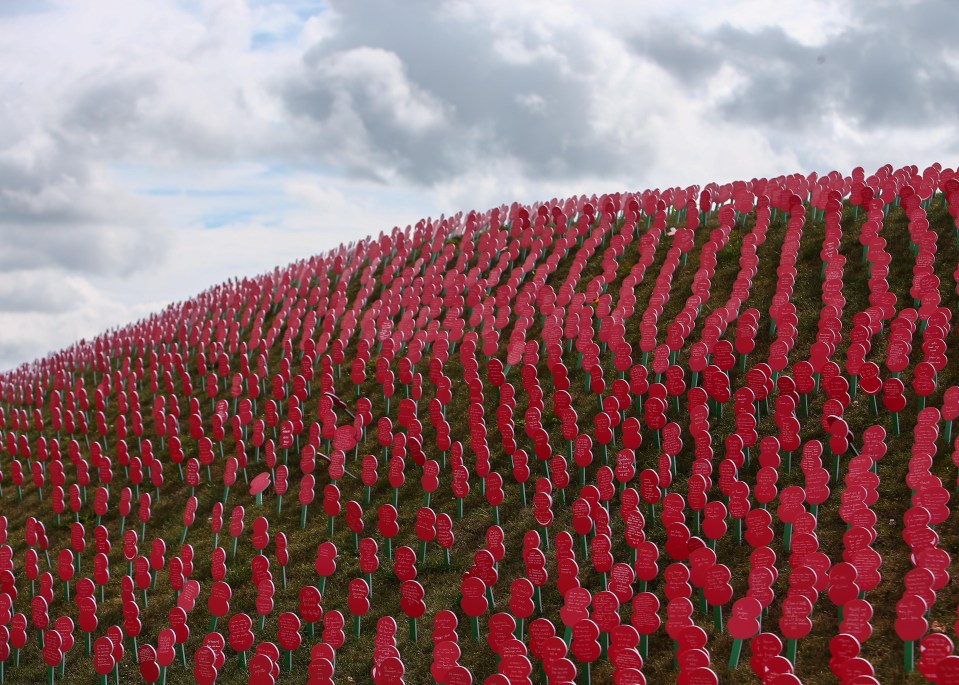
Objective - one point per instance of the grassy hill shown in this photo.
(453, 302)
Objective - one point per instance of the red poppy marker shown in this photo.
(387, 525)
(743, 624)
(331, 505)
(585, 644)
(258, 485)
(325, 564)
(103, 660)
(473, 603)
(51, 652)
(241, 635)
(895, 401)
(288, 635)
(910, 625)
(147, 664)
(950, 409)
(795, 622)
(933, 649)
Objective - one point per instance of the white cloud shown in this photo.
(812, 23)
(379, 76)
(533, 102)
(42, 311)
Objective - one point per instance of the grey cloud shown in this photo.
(786, 84)
(81, 247)
(310, 98)
(35, 291)
(15, 352)
(58, 209)
(535, 110)
(130, 115)
(690, 57)
(105, 106)
(889, 67)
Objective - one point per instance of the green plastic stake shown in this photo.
(734, 654)
(791, 651)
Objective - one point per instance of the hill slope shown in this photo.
(660, 363)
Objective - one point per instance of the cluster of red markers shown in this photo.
(588, 409)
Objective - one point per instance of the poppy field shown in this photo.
(700, 434)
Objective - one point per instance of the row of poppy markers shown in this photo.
(345, 437)
(924, 383)
(861, 196)
(926, 413)
(897, 359)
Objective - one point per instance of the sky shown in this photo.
(152, 148)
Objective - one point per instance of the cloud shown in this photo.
(43, 310)
(361, 110)
(410, 92)
(58, 210)
(40, 290)
(892, 65)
